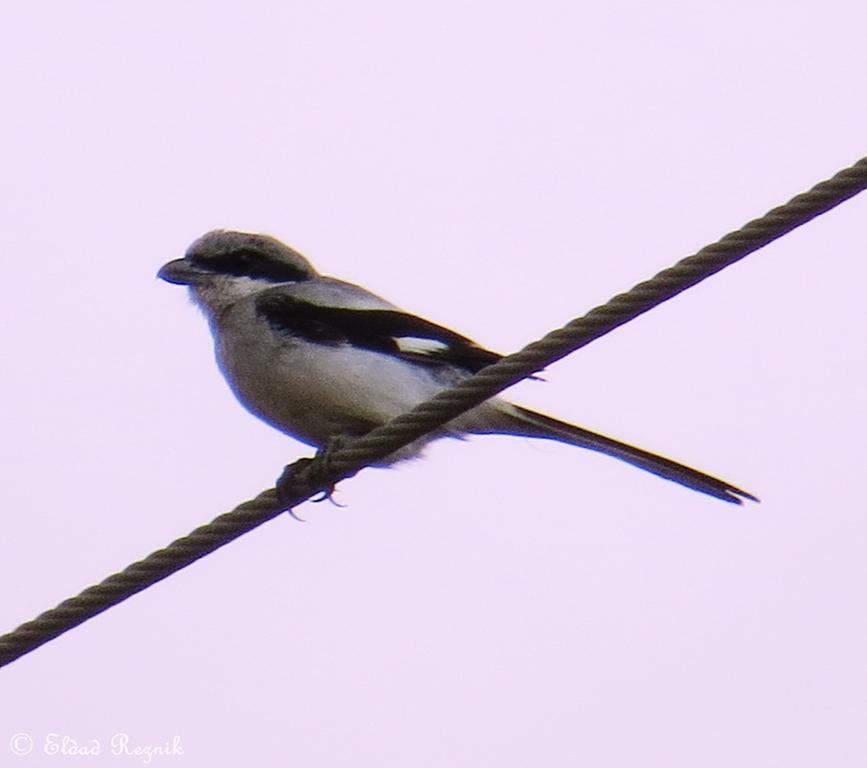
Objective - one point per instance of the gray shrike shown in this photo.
(317, 358)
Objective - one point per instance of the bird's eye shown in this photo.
(244, 255)
(248, 262)
(237, 262)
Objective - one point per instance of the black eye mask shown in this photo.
(246, 262)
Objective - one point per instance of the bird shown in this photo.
(321, 359)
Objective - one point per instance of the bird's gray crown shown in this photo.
(246, 254)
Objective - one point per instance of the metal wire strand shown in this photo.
(305, 478)
(597, 322)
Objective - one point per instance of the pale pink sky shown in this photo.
(499, 168)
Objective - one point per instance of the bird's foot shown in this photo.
(287, 485)
(314, 470)
(323, 458)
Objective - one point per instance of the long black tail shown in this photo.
(527, 423)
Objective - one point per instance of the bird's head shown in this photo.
(223, 267)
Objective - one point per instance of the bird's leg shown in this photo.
(286, 483)
(323, 456)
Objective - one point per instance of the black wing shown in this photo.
(382, 330)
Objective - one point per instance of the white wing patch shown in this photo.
(412, 345)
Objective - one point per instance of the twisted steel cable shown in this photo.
(597, 322)
(306, 477)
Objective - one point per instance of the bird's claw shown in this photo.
(286, 487)
(327, 495)
(323, 455)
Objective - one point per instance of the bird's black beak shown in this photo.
(181, 272)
